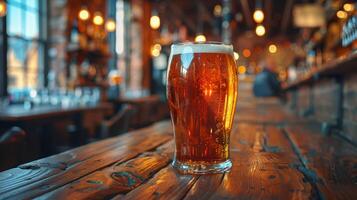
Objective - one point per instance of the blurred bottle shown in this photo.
(349, 34)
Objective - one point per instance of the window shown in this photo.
(25, 43)
(2, 60)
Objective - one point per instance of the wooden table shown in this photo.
(274, 157)
(17, 113)
(38, 123)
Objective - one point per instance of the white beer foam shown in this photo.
(185, 48)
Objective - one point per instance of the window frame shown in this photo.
(3, 58)
(42, 40)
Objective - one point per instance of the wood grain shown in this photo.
(262, 168)
(166, 184)
(263, 114)
(39, 177)
(44, 168)
(116, 179)
(205, 187)
(246, 137)
(330, 162)
(262, 175)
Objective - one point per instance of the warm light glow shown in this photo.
(110, 25)
(260, 30)
(157, 46)
(2, 8)
(155, 50)
(200, 38)
(98, 19)
(348, 7)
(258, 16)
(246, 53)
(273, 48)
(155, 22)
(242, 69)
(83, 14)
(217, 10)
(236, 56)
(341, 14)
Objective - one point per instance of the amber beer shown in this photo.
(202, 92)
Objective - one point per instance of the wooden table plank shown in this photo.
(258, 138)
(116, 179)
(166, 184)
(262, 175)
(262, 169)
(330, 163)
(265, 114)
(46, 167)
(17, 113)
(123, 152)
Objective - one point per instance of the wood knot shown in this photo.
(30, 166)
(127, 179)
(96, 182)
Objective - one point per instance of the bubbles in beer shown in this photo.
(202, 100)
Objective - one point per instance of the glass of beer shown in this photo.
(202, 90)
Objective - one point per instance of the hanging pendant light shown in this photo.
(110, 25)
(258, 16)
(83, 13)
(98, 19)
(155, 21)
(260, 30)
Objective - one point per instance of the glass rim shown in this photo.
(201, 47)
(201, 43)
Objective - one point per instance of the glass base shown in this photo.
(202, 167)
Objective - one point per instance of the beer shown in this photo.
(202, 92)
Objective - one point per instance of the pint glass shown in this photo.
(202, 93)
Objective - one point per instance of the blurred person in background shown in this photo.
(266, 83)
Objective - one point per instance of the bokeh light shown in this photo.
(200, 38)
(348, 7)
(83, 14)
(260, 30)
(2, 8)
(242, 69)
(258, 16)
(110, 25)
(246, 53)
(217, 10)
(98, 19)
(341, 14)
(273, 48)
(155, 22)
